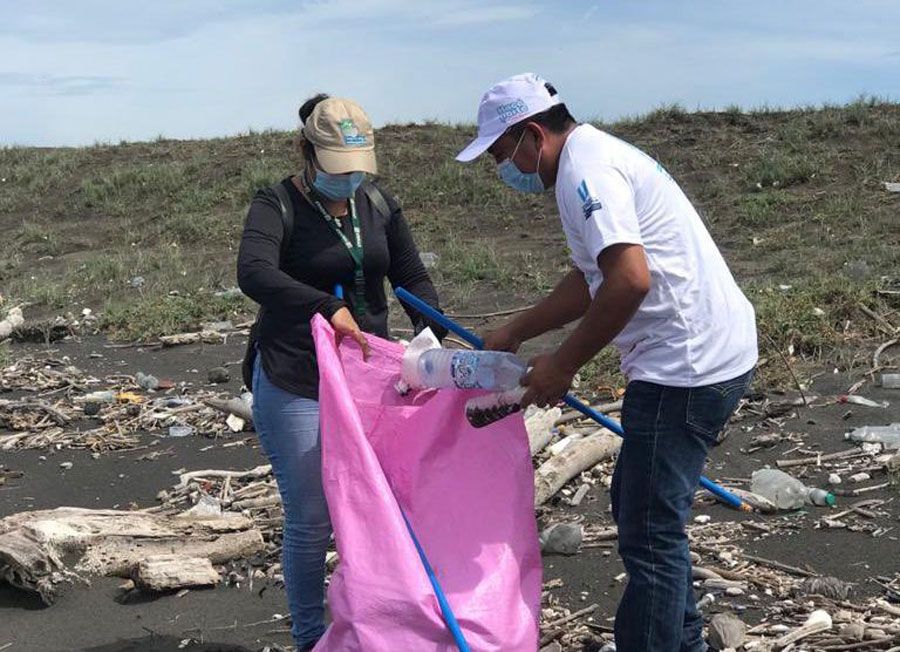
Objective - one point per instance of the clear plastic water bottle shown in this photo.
(888, 436)
(786, 491)
(491, 370)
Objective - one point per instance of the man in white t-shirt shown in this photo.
(648, 278)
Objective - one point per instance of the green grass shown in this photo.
(474, 262)
(122, 188)
(39, 239)
(261, 172)
(809, 316)
(763, 208)
(149, 317)
(804, 185)
(779, 169)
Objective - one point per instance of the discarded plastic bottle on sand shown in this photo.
(491, 370)
(786, 491)
(889, 436)
(103, 396)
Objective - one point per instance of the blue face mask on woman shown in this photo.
(513, 177)
(338, 186)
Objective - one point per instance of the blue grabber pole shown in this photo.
(407, 297)
(443, 603)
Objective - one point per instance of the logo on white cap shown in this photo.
(510, 110)
(505, 104)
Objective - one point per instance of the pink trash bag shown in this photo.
(468, 495)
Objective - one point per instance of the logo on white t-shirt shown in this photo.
(588, 204)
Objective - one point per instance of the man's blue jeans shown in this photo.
(668, 431)
(288, 429)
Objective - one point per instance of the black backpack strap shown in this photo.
(376, 197)
(287, 217)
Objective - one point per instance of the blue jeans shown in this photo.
(288, 429)
(668, 431)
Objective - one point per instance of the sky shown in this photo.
(77, 72)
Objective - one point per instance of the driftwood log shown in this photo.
(173, 572)
(235, 406)
(206, 337)
(579, 456)
(540, 428)
(41, 549)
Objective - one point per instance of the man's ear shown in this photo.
(538, 133)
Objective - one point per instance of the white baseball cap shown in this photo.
(505, 104)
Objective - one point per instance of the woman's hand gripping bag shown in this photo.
(468, 495)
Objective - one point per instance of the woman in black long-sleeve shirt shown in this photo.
(340, 239)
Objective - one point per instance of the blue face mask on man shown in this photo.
(513, 177)
(338, 186)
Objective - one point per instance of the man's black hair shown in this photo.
(556, 120)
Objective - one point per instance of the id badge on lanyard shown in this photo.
(355, 249)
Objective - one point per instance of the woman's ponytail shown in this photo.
(307, 150)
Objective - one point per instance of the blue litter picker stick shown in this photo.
(412, 300)
(443, 603)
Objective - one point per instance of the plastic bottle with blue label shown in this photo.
(494, 371)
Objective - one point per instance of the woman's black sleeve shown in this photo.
(258, 272)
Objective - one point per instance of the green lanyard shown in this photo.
(356, 253)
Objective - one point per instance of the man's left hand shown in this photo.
(547, 381)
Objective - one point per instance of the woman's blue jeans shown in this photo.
(288, 429)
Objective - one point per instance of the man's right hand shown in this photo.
(502, 339)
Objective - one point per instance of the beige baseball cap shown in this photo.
(343, 137)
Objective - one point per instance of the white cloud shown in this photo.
(406, 60)
(458, 16)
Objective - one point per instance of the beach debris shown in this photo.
(58, 395)
(705, 601)
(146, 382)
(204, 336)
(229, 293)
(786, 492)
(540, 425)
(235, 423)
(892, 466)
(818, 621)
(180, 431)
(727, 632)
(887, 436)
(159, 573)
(218, 375)
(829, 587)
(240, 407)
(580, 494)
(41, 549)
(430, 259)
(584, 454)
(856, 399)
(11, 322)
(562, 539)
